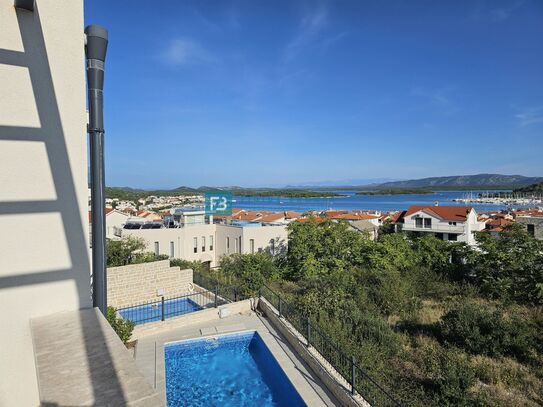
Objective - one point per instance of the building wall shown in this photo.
(533, 220)
(183, 239)
(137, 283)
(114, 219)
(44, 266)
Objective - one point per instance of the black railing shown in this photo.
(169, 307)
(223, 286)
(346, 365)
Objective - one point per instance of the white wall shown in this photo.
(183, 239)
(44, 264)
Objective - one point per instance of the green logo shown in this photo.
(218, 203)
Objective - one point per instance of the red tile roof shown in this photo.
(452, 213)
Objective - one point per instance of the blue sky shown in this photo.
(257, 93)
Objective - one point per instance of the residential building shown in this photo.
(115, 220)
(451, 223)
(533, 224)
(192, 235)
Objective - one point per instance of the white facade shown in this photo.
(45, 262)
(426, 221)
(115, 221)
(208, 242)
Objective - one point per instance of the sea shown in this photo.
(350, 201)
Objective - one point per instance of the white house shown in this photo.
(452, 223)
(195, 237)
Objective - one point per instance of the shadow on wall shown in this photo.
(51, 134)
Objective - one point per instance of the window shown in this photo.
(272, 247)
(239, 245)
(418, 222)
(210, 243)
(172, 250)
(252, 245)
(453, 237)
(157, 248)
(235, 245)
(227, 245)
(452, 223)
(531, 229)
(428, 223)
(203, 243)
(195, 245)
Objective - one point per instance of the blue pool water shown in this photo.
(153, 312)
(227, 371)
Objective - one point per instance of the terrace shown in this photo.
(60, 349)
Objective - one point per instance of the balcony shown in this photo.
(435, 227)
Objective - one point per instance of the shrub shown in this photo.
(121, 326)
(196, 266)
(482, 330)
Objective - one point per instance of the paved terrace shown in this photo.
(150, 353)
(81, 361)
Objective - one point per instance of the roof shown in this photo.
(271, 217)
(363, 225)
(356, 216)
(292, 214)
(452, 213)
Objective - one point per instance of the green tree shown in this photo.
(509, 267)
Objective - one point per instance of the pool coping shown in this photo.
(150, 355)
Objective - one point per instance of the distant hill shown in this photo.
(455, 181)
(531, 188)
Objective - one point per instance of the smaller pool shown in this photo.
(227, 371)
(153, 312)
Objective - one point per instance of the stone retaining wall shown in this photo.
(137, 283)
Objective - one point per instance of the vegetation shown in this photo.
(129, 250)
(133, 195)
(531, 188)
(436, 322)
(123, 327)
(396, 191)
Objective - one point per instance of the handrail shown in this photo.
(382, 398)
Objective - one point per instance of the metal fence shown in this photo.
(169, 307)
(343, 363)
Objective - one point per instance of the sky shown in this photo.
(271, 93)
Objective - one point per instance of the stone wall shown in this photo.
(137, 283)
(532, 220)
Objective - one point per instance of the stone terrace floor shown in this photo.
(151, 362)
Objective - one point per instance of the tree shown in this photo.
(129, 250)
(509, 267)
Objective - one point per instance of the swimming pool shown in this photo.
(153, 311)
(227, 370)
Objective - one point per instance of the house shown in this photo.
(533, 223)
(365, 226)
(191, 235)
(451, 223)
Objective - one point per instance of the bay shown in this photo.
(351, 201)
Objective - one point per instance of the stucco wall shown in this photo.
(137, 283)
(44, 266)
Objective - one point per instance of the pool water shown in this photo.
(153, 312)
(227, 370)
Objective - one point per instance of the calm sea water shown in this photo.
(352, 201)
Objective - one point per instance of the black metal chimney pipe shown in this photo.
(95, 50)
